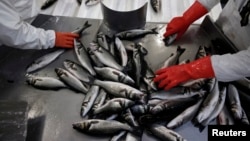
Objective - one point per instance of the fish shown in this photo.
(244, 119)
(101, 127)
(77, 70)
(156, 5)
(43, 61)
(89, 100)
(91, 2)
(80, 29)
(164, 133)
(208, 105)
(170, 39)
(172, 105)
(185, 116)
(71, 80)
(100, 100)
(173, 59)
(118, 89)
(112, 74)
(44, 82)
(47, 4)
(122, 51)
(134, 33)
(177, 92)
(83, 57)
(195, 84)
(201, 52)
(115, 105)
(218, 107)
(104, 56)
(234, 101)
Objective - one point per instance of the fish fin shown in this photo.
(180, 49)
(87, 24)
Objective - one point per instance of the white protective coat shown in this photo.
(230, 67)
(15, 32)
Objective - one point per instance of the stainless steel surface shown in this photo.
(51, 113)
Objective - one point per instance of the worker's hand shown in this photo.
(172, 76)
(65, 39)
(179, 25)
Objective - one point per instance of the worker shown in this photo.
(234, 23)
(16, 32)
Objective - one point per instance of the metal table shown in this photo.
(51, 113)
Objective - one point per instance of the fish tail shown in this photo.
(155, 30)
(86, 24)
(180, 49)
(91, 80)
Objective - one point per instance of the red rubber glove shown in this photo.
(172, 76)
(65, 39)
(179, 25)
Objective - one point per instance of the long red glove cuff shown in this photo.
(194, 12)
(201, 68)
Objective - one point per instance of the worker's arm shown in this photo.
(19, 34)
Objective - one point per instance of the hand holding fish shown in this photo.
(65, 39)
(178, 25)
(172, 76)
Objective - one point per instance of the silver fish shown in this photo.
(101, 127)
(104, 56)
(220, 104)
(89, 100)
(234, 101)
(77, 70)
(118, 89)
(44, 82)
(134, 33)
(92, 2)
(79, 30)
(168, 105)
(176, 93)
(83, 57)
(156, 5)
(71, 80)
(113, 74)
(114, 106)
(208, 105)
(44, 60)
(173, 59)
(47, 4)
(137, 63)
(164, 133)
(122, 51)
(195, 84)
(185, 116)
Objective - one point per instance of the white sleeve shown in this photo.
(231, 67)
(20, 34)
(209, 4)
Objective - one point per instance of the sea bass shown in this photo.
(134, 33)
(156, 5)
(44, 82)
(80, 29)
(83, 57)
(44, 60)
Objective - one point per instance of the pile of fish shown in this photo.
(121, 99)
